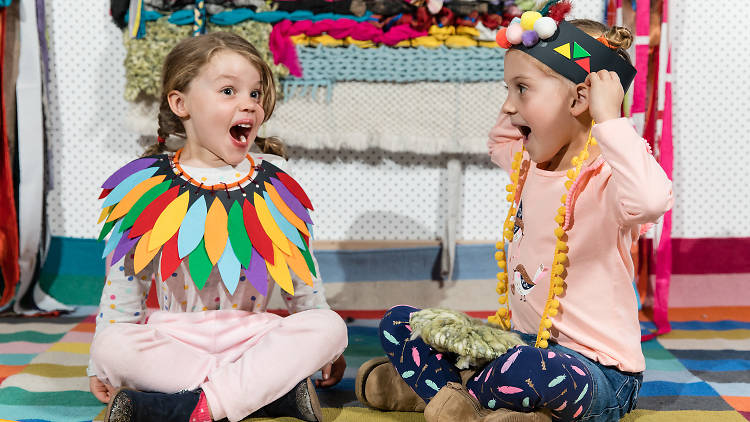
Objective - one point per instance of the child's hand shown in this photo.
(332, 373)
(502, 132)
(605, 95)
(103, 392)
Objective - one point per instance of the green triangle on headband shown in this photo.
(579, 52)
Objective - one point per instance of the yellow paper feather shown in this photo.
(269, 225)
(169, 221)
(279, 271)
(105, 212)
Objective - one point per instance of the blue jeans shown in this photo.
(615, 392)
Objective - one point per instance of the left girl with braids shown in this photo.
(206, 224)
(583, 182)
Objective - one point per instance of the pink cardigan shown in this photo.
(622, 189)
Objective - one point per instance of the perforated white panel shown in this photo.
(84, 126)
(711, 124)
(379, 195)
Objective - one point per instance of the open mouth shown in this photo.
(240, 132)
(525, 131)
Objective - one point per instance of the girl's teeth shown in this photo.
(243, 139)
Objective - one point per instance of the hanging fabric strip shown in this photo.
(642, 28)
(664, 142)
(30, 149)
(31, 152)
(8, 227)
(136, 24)
(452, 219)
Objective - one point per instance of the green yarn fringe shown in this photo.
(145, 56)
(475, 341)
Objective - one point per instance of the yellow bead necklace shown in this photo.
(560, 258)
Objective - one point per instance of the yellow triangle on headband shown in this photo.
(564, 50)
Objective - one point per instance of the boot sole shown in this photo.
(314, 401)
(362, 373)
(112, 402)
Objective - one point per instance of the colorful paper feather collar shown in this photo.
(263, 225)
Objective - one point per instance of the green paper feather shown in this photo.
(106, 228)
(238, 235)
(309, 261)
(200, 266)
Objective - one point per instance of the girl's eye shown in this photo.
(227, 91)
(255, 94)
(521, 89)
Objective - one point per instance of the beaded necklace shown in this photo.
(560, 257)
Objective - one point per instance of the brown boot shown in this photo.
(379, 386)
(453, 403)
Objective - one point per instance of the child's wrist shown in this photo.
(606, 118)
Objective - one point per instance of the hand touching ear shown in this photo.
(605, 95)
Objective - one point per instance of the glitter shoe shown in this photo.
(301, 403)
(134, 406)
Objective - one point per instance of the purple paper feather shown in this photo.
(126, 171)
(256, 274)
(291, 201)
(123, 246)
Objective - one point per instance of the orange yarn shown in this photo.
(178, 169)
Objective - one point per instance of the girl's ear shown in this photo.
(581, 100)
(176, 100)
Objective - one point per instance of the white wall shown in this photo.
(378, 195)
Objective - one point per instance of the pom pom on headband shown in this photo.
(560, 45)
(160, 140)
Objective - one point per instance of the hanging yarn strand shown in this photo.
(560, 257)
(199, 25)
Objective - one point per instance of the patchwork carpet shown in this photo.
(698, 372)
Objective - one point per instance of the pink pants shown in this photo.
(241, 360)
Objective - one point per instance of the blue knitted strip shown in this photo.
(386, 64)
(235, 16)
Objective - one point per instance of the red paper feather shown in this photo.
(170, 259)
(147, 219)
(258, 237)
(295, 189)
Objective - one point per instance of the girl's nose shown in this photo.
(249, 105)
(508, 107)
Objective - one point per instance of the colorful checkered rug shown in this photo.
(698, 372)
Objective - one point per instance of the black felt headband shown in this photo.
(574, 54)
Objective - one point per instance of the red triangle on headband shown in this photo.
(584, 63)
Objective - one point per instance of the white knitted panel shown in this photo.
(426, 118)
